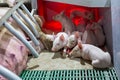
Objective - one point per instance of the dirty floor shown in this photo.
(54, 61)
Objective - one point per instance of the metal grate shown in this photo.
(89, 74)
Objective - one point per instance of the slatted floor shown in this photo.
(82, 74)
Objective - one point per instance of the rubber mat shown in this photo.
(89, 74)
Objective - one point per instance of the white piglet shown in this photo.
(60, 41)
(73, 39)
(99, 58)
(72, 42)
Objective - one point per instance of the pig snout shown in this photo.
(53, 49)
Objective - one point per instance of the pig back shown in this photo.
(68, 25)
(88, 37)
(98, 31)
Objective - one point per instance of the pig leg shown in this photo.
(82, 61)
(96, 63)
(64, 54)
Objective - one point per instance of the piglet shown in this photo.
(72, 42)
(98, 32)
(72, 39)
(81, 24)
(89, 37)
(67, 24)
(82, 13)
(60, 41)
(99, 58)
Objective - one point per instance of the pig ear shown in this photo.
(54, 36)
(77, 35)
(79, 44)
(62, 38)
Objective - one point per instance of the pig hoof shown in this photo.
(64, 55)
(71, 57)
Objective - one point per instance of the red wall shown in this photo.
(48, 9)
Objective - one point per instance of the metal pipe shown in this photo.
(33, 12)
(8, 74)
(21, 38)
(26, 10)
(26, 29)
(34, 4)
(28, 21)
(10, 11)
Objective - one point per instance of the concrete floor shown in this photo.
(54, 61)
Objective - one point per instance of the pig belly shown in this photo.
(13, 54)
(20, 51)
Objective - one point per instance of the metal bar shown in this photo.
(8, 74)
(32, 27)
(34, 4)
(8, 14)
(26, 10)
(21, 38)
(26, 29)
(33, 12)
